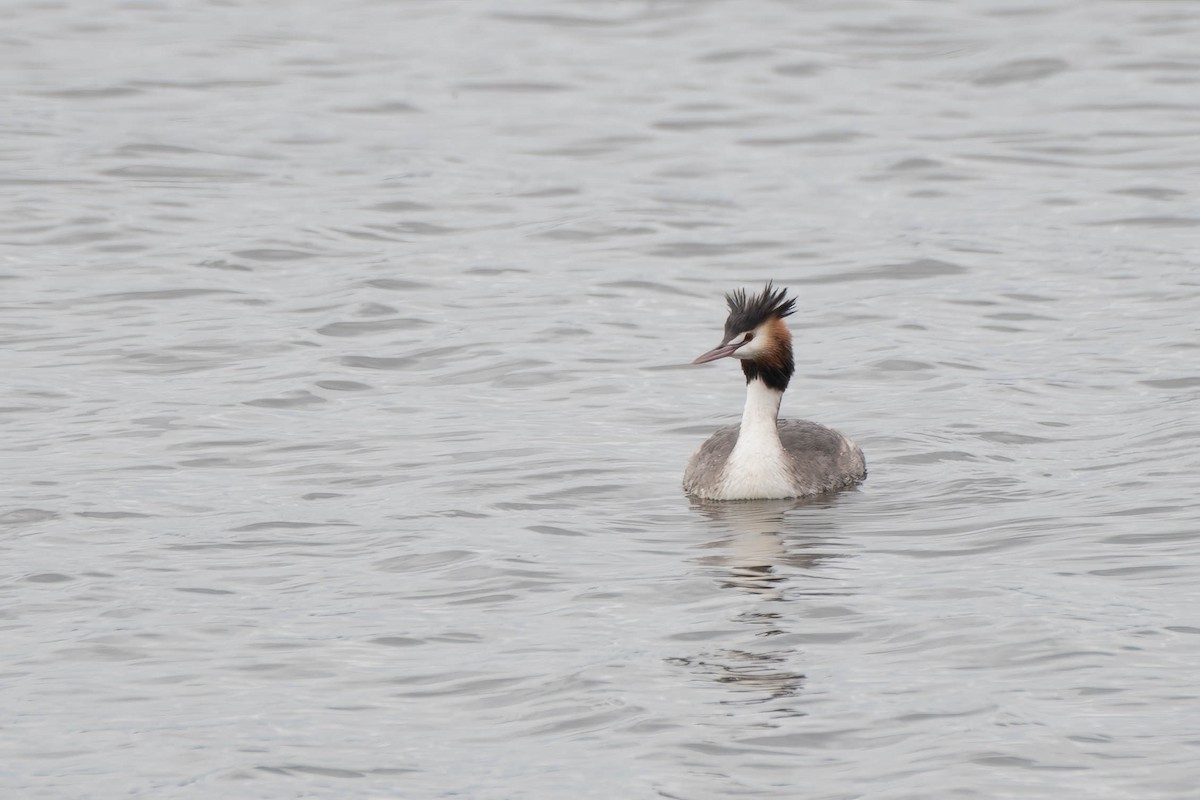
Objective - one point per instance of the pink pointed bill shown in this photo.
(717, 352)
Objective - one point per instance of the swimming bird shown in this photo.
(765, 457)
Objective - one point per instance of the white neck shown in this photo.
(762, 410)
(758, 468)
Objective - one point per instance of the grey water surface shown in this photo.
(346, 399)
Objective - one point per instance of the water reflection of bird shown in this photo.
(764, 457)
(762, 676)
(747, 556)
(754, 546)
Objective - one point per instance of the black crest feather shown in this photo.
(747, 313)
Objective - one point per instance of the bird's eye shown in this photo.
(749, 336)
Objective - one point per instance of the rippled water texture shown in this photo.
(345, 399)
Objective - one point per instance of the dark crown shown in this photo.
(746, 314)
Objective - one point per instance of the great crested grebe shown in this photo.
(765, 457)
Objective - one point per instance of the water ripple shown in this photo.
(348, 392)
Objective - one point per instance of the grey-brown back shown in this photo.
(707, 465)
(822, 460)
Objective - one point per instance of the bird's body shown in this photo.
(765, 457)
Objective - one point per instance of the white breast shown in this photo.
(757, 469)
